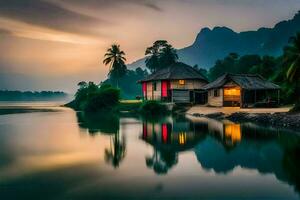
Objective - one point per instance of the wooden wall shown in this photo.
(157, 92)
(149, 91)
(189, 84)
(215, 101)
(181, 96)
(151, 94)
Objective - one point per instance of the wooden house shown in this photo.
(242, 90)
(178, 83)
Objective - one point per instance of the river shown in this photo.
(61, 154)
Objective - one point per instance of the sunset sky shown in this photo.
(53, 44)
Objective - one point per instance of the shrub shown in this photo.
(153, 108)
(296, 108)
(104, 98)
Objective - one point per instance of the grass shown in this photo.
(130, 106)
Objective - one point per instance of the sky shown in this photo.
(54, 44)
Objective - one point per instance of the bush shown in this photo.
(153, 108)
(105, 98)
(296, 108)
(92, 98)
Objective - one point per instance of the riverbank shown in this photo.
(276, 117)
(286, 120)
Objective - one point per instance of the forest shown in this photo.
(6, 95)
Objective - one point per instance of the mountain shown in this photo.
(216, 43)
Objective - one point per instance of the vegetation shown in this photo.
(128, 83)
(253, 64)
(283, 70)
(292, 60)
(114, 57)
(92, 98)
(130, 105)
(160, 54)
(153, 108)
(6, 95)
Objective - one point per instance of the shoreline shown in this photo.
(269, 118)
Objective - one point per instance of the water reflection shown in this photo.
(223, 146)
(168, 138)
(106, 123)
(67, 155)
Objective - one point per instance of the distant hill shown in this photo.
(217, 43)
(6, 95)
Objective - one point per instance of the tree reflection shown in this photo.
(162, 161)
(223, 146)
(109, 124)
(105, 123)
(117, 151)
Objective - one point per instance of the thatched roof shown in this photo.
(175, 71)
(245, 81)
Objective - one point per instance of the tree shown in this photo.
(168, 56)
(266, 67)
(292, 60)
(115, 57)
(82, 84)
(160, 54)
(228, 65)
(117, 151)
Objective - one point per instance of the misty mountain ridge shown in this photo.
(213, 44)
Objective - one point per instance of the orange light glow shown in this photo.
(233, 131)
(181, 82)
(182, 138)
(232, 92)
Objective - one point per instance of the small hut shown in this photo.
(242, 90)
(178, 83)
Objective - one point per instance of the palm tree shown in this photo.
(115, 58)
(292, 56)
(292, 60)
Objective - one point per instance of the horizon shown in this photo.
(54, 44)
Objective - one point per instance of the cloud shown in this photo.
(59, 15)
(47, 14)
(5, 32)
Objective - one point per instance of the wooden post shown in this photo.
(242, 98)
(194, 95)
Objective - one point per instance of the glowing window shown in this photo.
(232, 92)
(181, 82)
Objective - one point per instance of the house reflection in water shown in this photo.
(246, 145)
(233, 133)
(168, 138)
(172, 136)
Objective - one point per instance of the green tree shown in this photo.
(292, 60)
(266, 67)
(159, 55)
(115, 58)
(168, 56)
(228, 65)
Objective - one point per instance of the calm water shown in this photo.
(68, 155)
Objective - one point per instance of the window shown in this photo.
(181, 82)
(154, 86)
(216, 93)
